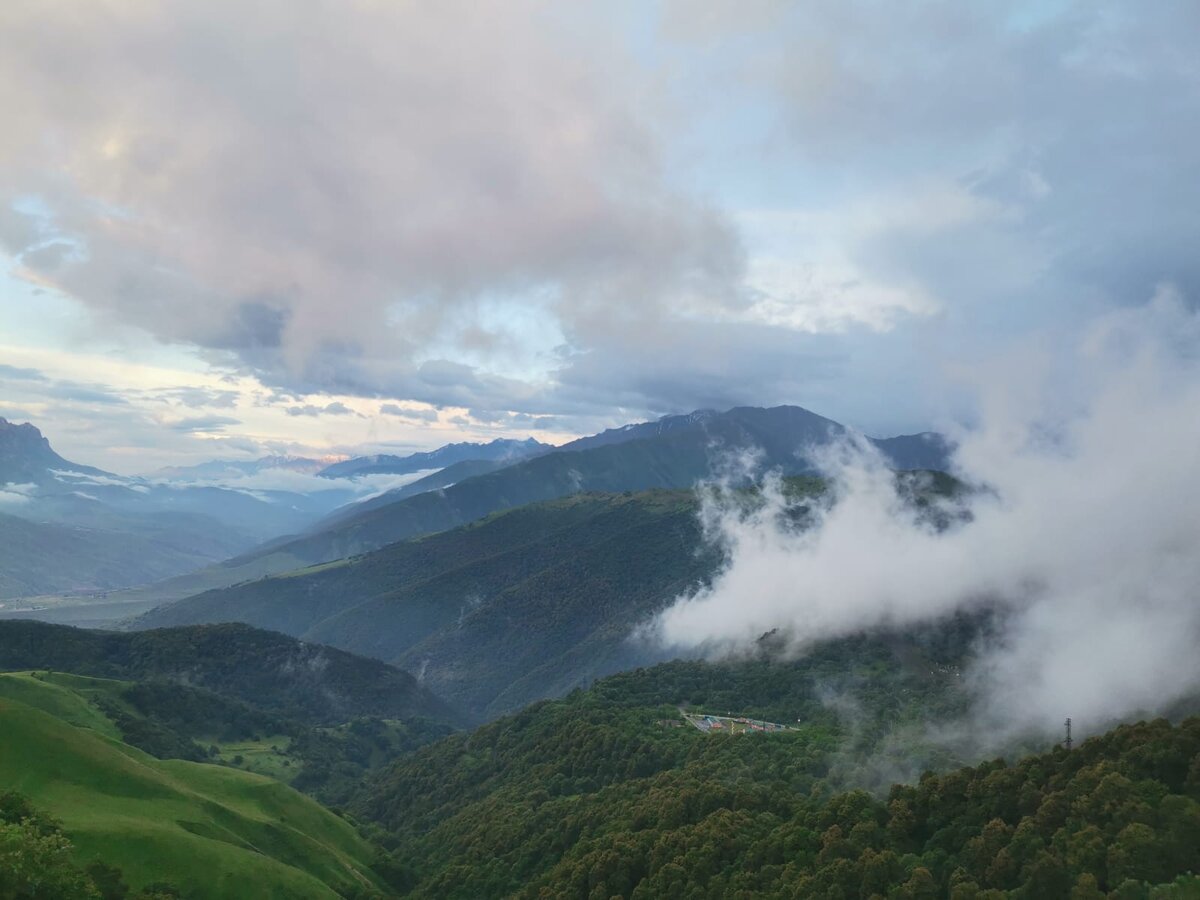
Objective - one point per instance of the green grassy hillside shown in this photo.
(211, 831)
(174, 721)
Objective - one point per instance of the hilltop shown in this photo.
(269, 670)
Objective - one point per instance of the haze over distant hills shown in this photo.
(225, 468)
(675, 452)
(477, 479)
(499, 450)
(68, 528)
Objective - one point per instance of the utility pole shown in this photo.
(1067, 743)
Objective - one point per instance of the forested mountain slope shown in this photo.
(642, 457)
(272, 671)
(646, 456)
(519, 606)
(522, 605)
(607, 793)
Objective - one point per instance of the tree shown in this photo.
(1086, 888)
(920, 886)
(1134, 855)
(35, 866)
(108, 880)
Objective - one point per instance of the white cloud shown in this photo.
(361, 487)
(13, 494)
(1086, 536)
(326, 191)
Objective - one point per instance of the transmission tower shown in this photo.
(1067, 743)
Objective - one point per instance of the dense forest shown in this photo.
(519, 606)
(269, 670)
(607, 793)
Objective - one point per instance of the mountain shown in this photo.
(27, 458)
(521, 605)
(637, 431)
(692, 449)
(172, 720)
(761, 428)
(612, 792)
(499, 450)
(67, 528)
(57, 558)
(209, 831)
(219, 469)
(442, 478)
(676, 453)
(271, 671)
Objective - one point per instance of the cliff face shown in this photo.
(26, 455)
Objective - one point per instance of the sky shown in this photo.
(237, 228)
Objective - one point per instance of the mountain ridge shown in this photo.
(27, 457)
(497, 450)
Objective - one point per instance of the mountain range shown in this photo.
(674, 453)
(509, 592)
(221, 469)
(518, 606)
(499, 450)
(221, 523)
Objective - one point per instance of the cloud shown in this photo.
(403, 412)
(1083, 536)
(13, 494)
(893, 199)
(199, 397)
(76, 478)
(91, 394)
(517, 211)
(15, 373)
(260, 483)
(336, 408)
(231, 170)
(204, 424)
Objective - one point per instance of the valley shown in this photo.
(460, 688)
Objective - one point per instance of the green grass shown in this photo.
(66, 697)
(267, 756)
(211, 830)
